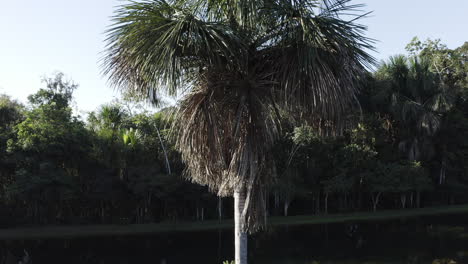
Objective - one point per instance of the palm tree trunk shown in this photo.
(240, 236)
(276, 196)
(326, 203)
(220, 208)
(317, 204)
(418, 199)
(403, 200)
(286, 207)
(375, 201)
(411, 199)
(442, 173)
(168, 165)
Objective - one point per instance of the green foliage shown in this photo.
(305, 135)
(48, 183)
(49, 131)
(58, 92)
(416, 99)
(339, 183)
(11, 113)
(444, 261)
(449, 64)
(399, 177)
(352, 160)
(409, 146)
(361, 148)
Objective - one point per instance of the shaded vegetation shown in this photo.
(408, 149)
(88, 231)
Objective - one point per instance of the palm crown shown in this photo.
(417, 98)
(239, 64)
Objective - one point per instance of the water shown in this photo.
(408, 242)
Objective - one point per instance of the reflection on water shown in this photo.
(426, 240)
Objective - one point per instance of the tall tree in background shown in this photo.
(238, 63)
(450, 66)
(50, 145)
(10, 115)
(417, 98)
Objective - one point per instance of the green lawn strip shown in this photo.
(367, 216)
(48, 232)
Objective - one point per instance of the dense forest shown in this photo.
(405, 146)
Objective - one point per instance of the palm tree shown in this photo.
(417, 98)
(239, 64)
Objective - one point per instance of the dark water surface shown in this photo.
(413, 241)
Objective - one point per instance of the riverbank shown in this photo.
(61, 232)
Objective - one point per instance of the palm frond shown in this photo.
(317, 58)
(155, 46)
(225, 135)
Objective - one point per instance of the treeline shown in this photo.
(406, 147)
(117, 167)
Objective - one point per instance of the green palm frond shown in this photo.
(315, 57)
(429, 123)
(417, 98)
(131, 137)
(111, 116)
(441, 102)
(156, 47)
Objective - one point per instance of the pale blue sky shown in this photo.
(41, 37)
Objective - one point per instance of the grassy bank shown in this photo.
(48, 232)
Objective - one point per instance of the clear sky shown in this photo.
(38, 38)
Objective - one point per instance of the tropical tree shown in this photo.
(10, 115)
(238, 63)
(417, 99)
(449, 64)
(379, 182)
(309, 155)
(49, 148)
(451, 68)
(50, 130)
